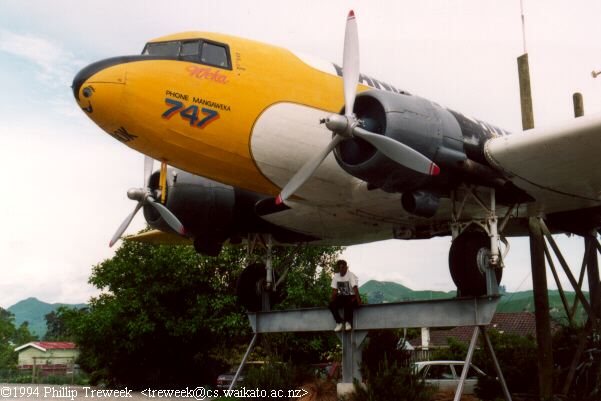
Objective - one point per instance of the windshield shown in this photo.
(198, 51)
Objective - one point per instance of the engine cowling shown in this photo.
(212, 212)
(414, 121)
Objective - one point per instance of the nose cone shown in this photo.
(98, 89)
(97, 71)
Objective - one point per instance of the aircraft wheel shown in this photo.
(468, 257)
(250, 286)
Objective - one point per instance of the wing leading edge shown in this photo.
(559, 166)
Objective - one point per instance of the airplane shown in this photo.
(257, 139)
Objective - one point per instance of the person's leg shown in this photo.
(334, 306)
(349, 304)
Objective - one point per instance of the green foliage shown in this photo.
(169, 317)
(382, 345)
(60, 324)
(165, 317)
(11, 337)
(516, 355)
(392, 382)
(272, 376)
(307, 284)
(456, 351)
(586, 385)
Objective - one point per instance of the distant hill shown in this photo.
(33, 311)
(523, 301)
(386, 291)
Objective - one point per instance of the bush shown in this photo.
(272, 376)
(392, 382)
(516, 355)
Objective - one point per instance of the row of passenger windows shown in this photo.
(198, 51)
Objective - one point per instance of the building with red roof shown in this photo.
(47, 357)
(518, 323)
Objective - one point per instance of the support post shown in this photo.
(541, 306)
(491, 353)
(466, 366)
(525, 93)
(352, 347)
(578, 104)
(564, 300)
(592, 269)
(248, 351)
(587, 246)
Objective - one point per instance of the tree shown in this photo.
(168, 316)
(60, 323)
(11, 337)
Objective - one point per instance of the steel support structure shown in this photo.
(468, 360)
(592, 306)
(541, 308)
(477, 312)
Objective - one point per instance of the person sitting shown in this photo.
(345, 294)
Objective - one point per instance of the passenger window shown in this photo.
(169, 49)
(471, 373)
(439, 372)
(215, 55)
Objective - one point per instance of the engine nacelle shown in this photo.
(420, 203)
(205, 208)
(212, 212)
(416, 122)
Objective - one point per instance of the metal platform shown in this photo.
(476, 312)
(434, 313)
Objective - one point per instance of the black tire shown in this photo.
(469, 278)
(249, 286)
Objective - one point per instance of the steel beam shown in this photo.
(541, 308)
(352, 347)
(434, 313)
(466, 366)
(592, 269)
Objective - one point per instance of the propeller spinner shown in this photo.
(348, 126)
(145, 196)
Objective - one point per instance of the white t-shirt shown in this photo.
(345, 284)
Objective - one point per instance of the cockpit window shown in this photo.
(198, 51)
(162, 49)
(190, 49)
(214, 55)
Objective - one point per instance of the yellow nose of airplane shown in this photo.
(98, 89)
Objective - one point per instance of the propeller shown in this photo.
(348, 126)
(145, 196)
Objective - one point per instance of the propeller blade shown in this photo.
(148, 162)
(306, 171)
(124, 225)
(350, 63)
(169, 217)
(399, 152)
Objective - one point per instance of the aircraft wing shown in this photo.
(560, 166)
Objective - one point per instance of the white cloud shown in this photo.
(56, 66)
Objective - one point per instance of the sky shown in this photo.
(65, 181)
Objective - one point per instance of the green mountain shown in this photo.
(387, 291)
(32, 310)
(523, 301)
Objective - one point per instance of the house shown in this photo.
(47, 357)
(518, 323)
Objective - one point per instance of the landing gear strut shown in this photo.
(252, 285)
(257, 288)
(475, 260)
